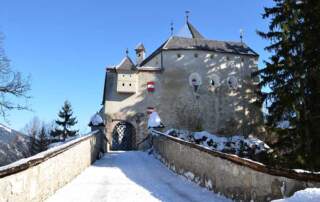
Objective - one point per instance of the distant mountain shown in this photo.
(13, 145)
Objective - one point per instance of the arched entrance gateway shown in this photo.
(123, 136)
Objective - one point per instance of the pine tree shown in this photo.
(34, 145)
(311, 55)
(43, 140)
(64, 124)
(292, 74)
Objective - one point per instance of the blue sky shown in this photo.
(66, 45)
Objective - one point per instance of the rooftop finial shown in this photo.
(127, 52)
(241, 35)
(171, 28)
(187, 15)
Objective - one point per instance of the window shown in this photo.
(232, 82)
(196, 55)
(214, 80)
(178, 55)
(129, 84)
(122, 84)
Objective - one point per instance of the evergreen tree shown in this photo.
(34, 145)
(64, 124)
(292, 74)
(43, 140)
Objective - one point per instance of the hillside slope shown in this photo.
(13, 145)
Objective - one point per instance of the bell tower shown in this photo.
(140, 53)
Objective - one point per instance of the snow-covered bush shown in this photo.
(154, 120)
(250, 147)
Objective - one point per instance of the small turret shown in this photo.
(140, 53)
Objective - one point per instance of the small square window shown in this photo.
(178, 55)
(122, 84)
(196, 55)
(211, 56)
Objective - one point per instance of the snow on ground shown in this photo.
(68, 139)
(132, 176)
(309, 195)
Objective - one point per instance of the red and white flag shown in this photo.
(150, 86)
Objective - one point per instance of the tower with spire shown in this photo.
(188, 75)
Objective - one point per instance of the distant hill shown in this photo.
(13, 145)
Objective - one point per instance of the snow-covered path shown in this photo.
(131, 176)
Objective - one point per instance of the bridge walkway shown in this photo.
(132, 176)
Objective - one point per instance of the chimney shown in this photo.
(140, 53)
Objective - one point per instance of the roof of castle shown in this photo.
(126, 64)
(189, 38)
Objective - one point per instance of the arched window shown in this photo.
(232, 82)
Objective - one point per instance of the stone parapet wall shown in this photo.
(234, 177)
(38, 177)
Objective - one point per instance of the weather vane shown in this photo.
(187, 15)
(241, 35)
(171, 28)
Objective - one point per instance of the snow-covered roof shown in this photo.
(144, 68)
(96, 120)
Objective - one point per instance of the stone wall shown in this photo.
(223, 110)
(232, 176)
(38, 177)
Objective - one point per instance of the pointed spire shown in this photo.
(188, 30)
(194, 32)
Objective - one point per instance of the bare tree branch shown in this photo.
(12, 86)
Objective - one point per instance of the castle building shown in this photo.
(192, 82)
